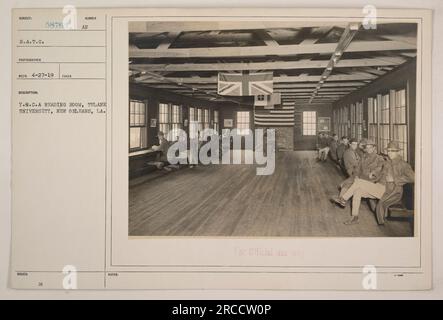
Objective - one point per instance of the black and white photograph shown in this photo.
(223, 150)
(277, 129)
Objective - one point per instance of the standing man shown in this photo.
(389, 189)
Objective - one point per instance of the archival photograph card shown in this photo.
(221, 149)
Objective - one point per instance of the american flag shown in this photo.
(245, 84)
(280, 116)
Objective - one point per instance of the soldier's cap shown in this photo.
(393, 146)
(160, 134)
(353, 140)
(370, 143)
(364, 141)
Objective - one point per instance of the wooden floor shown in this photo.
(231, 200)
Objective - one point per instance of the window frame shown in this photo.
(243, 126)
(216, 122)
(383, 111)
(311, 117)
(405, 143)
(373, 119)
(384, 126)
(192, 122)
(162, 123)
(142, 125)
(206, 118)
(358, 120)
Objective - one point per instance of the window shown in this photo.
(387, 120)
(344, 121)
(137, 125)
(353, 121)
(309, 123)
(164, 117)
(176, 120)
(216, 121)
(384, 132)
(200, 119)
(372, 119)
(335, 120)
(193, 125)
(243, 121)
(191, 114)
(400, 126)
(206, 119)
(358, 121)
(341, 126)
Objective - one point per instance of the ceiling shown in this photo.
(316, 63)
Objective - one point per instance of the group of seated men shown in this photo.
(162, 162)
(369, 175)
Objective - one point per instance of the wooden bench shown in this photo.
(144, 164)
(138, 164)
(404, 210)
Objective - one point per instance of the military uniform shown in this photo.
(333, 150)
(323, 147)
(388, 192)
(341, 150)
(351, 162)
(371, 166)
(351, 166)
(402, 173)
(323, 142)
(163, 148)
(360, 152)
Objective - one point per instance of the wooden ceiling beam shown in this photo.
(343, 44)
(170, 38)
(189, 26)
(343, 85)
(287, 79)
(267, 38)
(276, 65)
(254, 51)
(282, 91)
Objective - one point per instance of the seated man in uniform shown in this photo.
(333, 144)
(371, 164)
(342, 146)
(351, 159)
(162, 158)
(323, 146)
(370, 168)
(362, 147)
(395, 173)
(398, 173)
(351, 165)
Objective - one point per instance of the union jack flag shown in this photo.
(245, 84)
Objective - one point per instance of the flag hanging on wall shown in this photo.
(267, 100)
(280, 116)
(245, 84)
